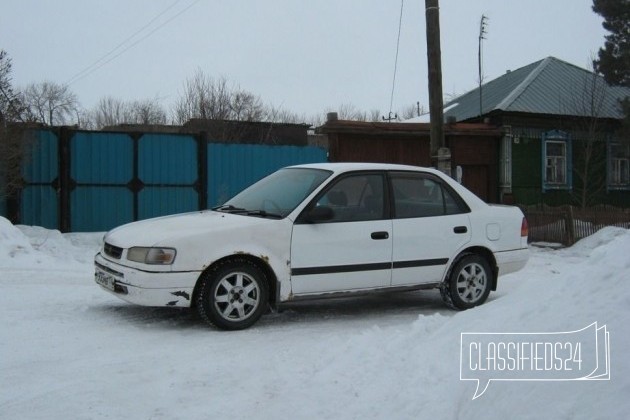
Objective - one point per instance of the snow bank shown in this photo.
(411, 370)
(76, 350)
(13, 243)
(33, 247)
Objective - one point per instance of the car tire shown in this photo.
(233, 295)
(468, 284)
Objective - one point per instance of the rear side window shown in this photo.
(418, 195)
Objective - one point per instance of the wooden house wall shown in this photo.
(527, 162)
(477, 155)
(390, 148)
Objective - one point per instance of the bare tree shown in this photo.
(147, 112)
(110, 111)
(13, 140)
(350, 112)
(375, 115)
(11, 104)
(590, 139)
(245, 106)
(206, 98)
(411, 111)
(280, 115)
(51, 103)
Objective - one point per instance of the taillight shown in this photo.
(524, 228)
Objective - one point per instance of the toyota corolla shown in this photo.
(316, 231)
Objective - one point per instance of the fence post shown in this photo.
(65, 179)
(202, 169)
(135, 185)
(570, 225)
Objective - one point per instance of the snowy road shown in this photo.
(70, 350)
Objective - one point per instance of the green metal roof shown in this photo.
(549, 86)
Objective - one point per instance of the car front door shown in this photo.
(430, 225)
(351, 248)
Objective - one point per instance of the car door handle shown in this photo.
(460, 229)
(380, 235)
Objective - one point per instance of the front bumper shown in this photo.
(145, 288)
(511, 261)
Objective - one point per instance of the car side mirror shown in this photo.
(319, 214)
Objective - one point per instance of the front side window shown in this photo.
(420, 196)
(556, 161)
(355, 198)
(619, 166)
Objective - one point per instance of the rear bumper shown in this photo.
(146, 288)
(511, 261)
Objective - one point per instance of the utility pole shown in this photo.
(482, 32)
(434, 58)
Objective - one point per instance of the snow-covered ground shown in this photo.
(71, 350)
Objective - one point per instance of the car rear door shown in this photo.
(430, 225)
(353, 249)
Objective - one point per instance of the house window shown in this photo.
(505, 163)
(556, 161)
(619, 166)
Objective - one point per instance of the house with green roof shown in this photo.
(562, 140)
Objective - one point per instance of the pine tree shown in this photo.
(613, 60)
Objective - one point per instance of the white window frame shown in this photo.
(505, 163)
(618, 166)
(557, 169)
(556, 165)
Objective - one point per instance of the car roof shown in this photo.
(363, 166)
(341, 167)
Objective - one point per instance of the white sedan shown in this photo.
(314, 231)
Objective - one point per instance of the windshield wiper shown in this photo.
(230, 209)
(263, 213)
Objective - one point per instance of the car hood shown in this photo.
(166, 231)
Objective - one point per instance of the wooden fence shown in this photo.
(568, 224)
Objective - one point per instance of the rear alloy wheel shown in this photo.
(234, 295)
(468, 284)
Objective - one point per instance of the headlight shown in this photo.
(158, 256)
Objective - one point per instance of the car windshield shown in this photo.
(276, 195)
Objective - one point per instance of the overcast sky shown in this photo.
(307, 56)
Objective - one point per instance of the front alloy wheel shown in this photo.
(233, 296)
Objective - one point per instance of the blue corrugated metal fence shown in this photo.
(40, 171)
(94, 181)
(235, 166)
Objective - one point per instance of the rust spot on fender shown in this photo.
(265, 258)
(181, 293)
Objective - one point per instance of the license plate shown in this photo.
(105, 280)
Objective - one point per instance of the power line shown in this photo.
(391, 102)
(107, 58)
(113, 50)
